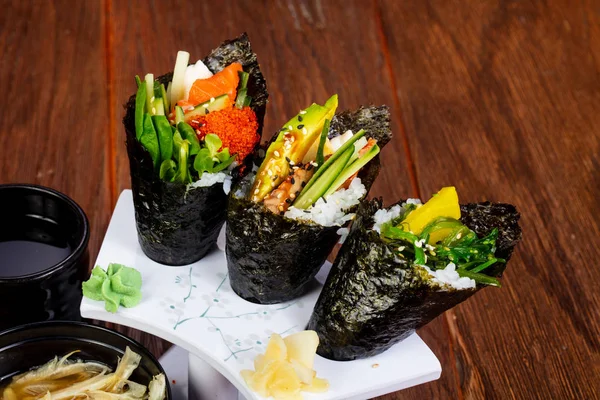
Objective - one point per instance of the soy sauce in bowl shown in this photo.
(34, 244)
(43, 255)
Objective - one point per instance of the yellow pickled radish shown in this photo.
(443, 204)
(285, 370)
(306, 375)
(319, 385)
(259, 362)
(302, 346)
(285, 381)
(276, 349)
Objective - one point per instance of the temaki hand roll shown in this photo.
(191, 133)
(403, 266)
(283, 220)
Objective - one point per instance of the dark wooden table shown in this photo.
(499, 98)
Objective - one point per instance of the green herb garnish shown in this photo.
(210, 159)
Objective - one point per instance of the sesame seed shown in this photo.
(305, 131)
(256, 191)
(212, 99)
(269, 172)
(153, 110)
(280, 208)
(276, 153)
(281, 213)
(279, 195)
(275, 178)
(300, 126)
(290, 127)
(300, 118)
(207, 111)
(153, 98)
(288, 159)
(325, 200)
(293, 181)
(277, 168)
(289, 201)
(302, 112)
(303, 184)
(292, 196)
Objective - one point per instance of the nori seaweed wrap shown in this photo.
(373, 298)
(270, 257)
(178, 223)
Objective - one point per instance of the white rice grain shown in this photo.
(331, 211)
(448, 276)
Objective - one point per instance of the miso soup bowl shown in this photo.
(32, 345)
(53, 293)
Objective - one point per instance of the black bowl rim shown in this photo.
(67, 324)
(75, 254)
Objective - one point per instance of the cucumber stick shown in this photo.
(218, 103)
(149, 92)
(178, 84)
(308, 197)
(165, 98)
(158, 107)
(178, 115)
(323, 168)
(352, 169)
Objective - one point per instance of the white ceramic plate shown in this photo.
(194, 307)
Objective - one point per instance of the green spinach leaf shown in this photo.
(140, 103)
(165, 136)
(149, 140)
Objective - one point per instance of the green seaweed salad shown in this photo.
(432, 235)
(203, 127)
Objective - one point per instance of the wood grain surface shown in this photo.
(499, 98)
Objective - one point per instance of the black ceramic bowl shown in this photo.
(31, 345)
(29, 291)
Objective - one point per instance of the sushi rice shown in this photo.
(331, 211)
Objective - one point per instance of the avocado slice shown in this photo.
(294, 140)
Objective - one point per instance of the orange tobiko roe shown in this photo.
(237, 129)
